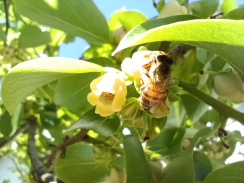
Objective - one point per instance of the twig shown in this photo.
(39, 174)
(4, 141)
(61, 148)
(220, 107)
(7, 20)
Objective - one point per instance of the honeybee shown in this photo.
(155, 75)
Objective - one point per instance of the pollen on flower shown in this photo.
(108, 93)
(108, 96)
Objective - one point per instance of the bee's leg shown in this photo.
(166, 96)
(154, 60)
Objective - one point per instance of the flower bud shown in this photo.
(119, 33)
(172, 8)
(228, 85)
(112, 141)
(116, 176)
(101, 153)
(131, 110)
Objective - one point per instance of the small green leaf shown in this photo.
(5, 124)
(202, 165)
(79, 165)
(160, 5)
(79, 18)
(26, 77)
(102, 125)
(16, 117)
(236, 14)
(181, 168)
(72, 91)
(194, 107)
(228, 5)
(212, 35)
(32, 36)
(127, 19)
(204, 8)
(137, 167)
(230, 173)
(167, 142)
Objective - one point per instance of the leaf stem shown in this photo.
(220, 107)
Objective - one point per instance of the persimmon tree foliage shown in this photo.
(81, 120)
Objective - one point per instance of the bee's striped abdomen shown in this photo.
(150, 98)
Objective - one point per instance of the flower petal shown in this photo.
(119, 100)
(93, 98)
(119, 83)
(107, 81)
(94, 83)
(103, 109)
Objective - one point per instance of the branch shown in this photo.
(4, 141)
(220, 107)
(61, 148)
(39, 174)
(6, 12)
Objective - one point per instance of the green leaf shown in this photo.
(72, 91)
(26, 77)
(181, 168)
(202, 165)
(137, 167)
(167, 142)
(32, 36)
(16, 117)
(102, 125)
(228, 5)
(5, 124)
(105, 62)
(160, 5)
(212, 35)
(127, 19)
(79, 18)
(131, 37)
(204, 8)
(79, 165)
(235, 14)
(194, 107)
(230, 173)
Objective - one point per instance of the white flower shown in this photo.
(172, 8)
(108, 93)
(228, 85)
(132, 66)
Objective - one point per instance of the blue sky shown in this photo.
(107, 7)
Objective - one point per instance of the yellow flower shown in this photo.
(108, 93)
(172, 8)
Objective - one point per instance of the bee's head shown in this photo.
(165, 59)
